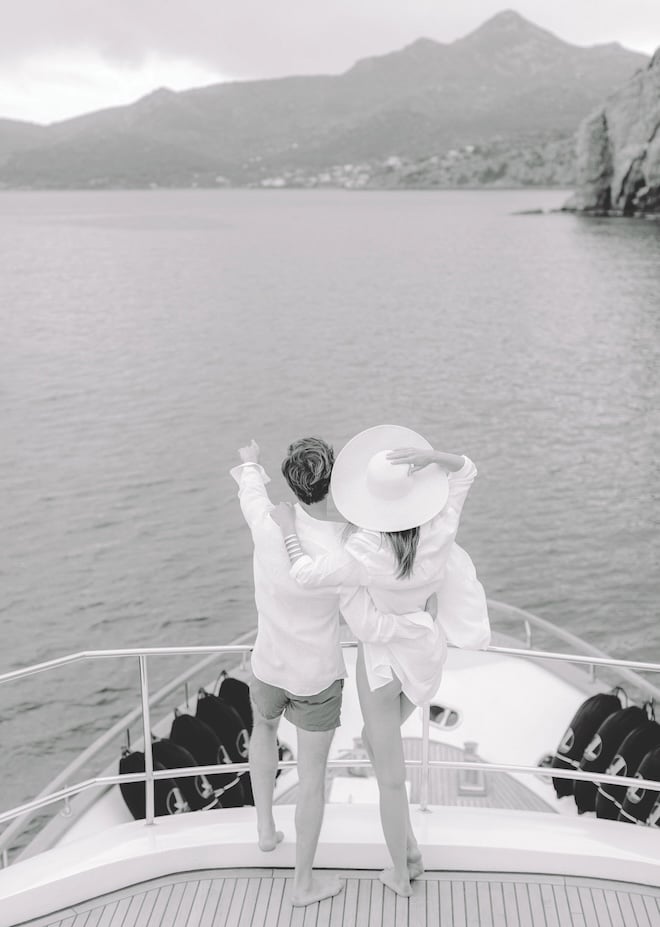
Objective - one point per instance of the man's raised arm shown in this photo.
(252, 478)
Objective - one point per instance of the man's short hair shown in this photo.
(307, 468)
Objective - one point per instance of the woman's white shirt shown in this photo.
(440, 567)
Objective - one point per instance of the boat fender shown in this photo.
(601, 749)
(231, 730)
(236, 693)
(653, 818)
(204, 744)
(197, 790)
(586, 721)
(642, 806)
(168, 797)
(629, 755)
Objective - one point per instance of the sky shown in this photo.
(60, 58)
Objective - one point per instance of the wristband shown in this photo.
(293, 547)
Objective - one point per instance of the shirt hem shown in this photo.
(285, 684)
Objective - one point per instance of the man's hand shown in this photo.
(412, 457)
(250, 453)
(284, 515)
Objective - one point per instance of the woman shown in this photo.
(403, 508)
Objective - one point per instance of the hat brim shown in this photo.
(354, 498)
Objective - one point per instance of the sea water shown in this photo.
(146, 335)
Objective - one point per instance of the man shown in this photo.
(297, 663)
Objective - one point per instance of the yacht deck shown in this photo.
(486, 867)
(260, 898)
(445, 786)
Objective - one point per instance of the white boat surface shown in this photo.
(499, 847)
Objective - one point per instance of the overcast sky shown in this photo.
(59, 58)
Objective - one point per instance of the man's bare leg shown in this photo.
(308, 886)
(263, 757)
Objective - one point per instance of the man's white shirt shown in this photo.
(298, 636)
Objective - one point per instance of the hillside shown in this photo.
(508, 83)
(16, 136)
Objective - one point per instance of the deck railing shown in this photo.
(21, 814)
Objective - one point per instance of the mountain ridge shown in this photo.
(508, 79)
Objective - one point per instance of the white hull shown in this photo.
(511, 709)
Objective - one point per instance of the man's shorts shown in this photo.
(320, 712)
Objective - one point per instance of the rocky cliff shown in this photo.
(618, 150)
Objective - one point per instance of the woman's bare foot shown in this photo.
(415, 865)
(398, 884)
(269, 840)
(319, 888)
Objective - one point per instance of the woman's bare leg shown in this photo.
(381, 711)
(413, 854)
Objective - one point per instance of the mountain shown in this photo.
(508, 81)
(16, 136)
(618, 162)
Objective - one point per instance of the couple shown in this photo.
(401, 503)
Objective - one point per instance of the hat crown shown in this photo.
(376, 494)
(387, 480)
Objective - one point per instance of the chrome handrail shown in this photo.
(125, 652)
(149, 776)
(60, 780)
(148, 754)
(529, 619)
(186, 771)
(587, 659)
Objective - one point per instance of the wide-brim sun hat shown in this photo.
(373, 492)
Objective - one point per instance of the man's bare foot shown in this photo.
(398, 884)
(268, 841)
(319, 888)
(415, 865)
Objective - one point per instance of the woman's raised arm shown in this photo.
(417, 459)
(334, 569)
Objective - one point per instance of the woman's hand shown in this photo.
(284, 515)
(412, 457)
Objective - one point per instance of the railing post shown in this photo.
(148, 753)
(424, 783)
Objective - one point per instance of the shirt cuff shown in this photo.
(301, 563)
(467, 471)
(238, 471)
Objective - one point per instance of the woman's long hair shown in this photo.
(403, 544)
